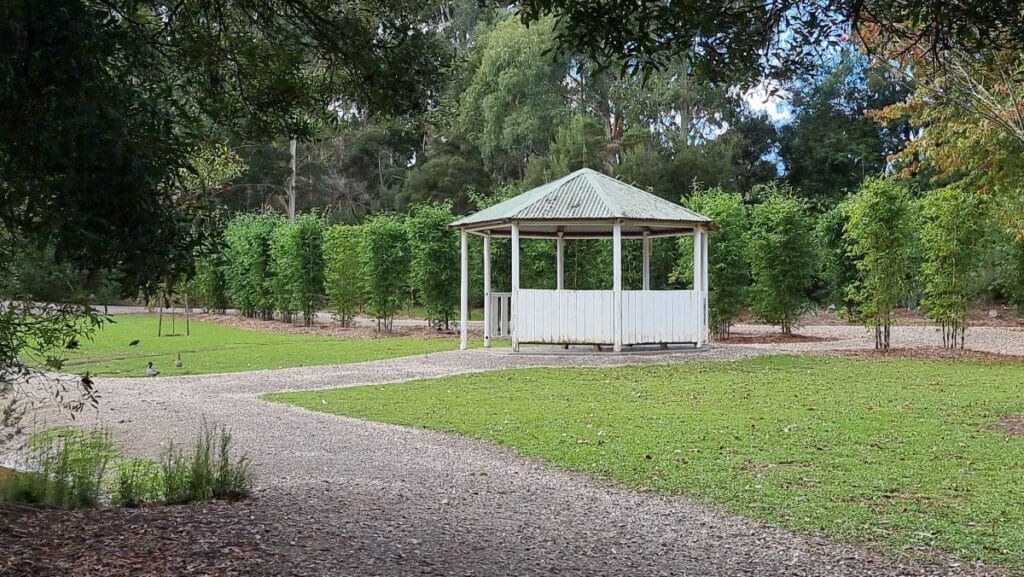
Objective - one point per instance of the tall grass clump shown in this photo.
(208, 472)
(137, 481)
(68, 467)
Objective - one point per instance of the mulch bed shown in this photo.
(735, 338)
(161, 541)
(927, 353)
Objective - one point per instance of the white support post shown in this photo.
(487, 291)
(704, 285)
(464, 293)
(698, 281)
(560, 261)
(617, 285)
(647, 261)
(515, 286)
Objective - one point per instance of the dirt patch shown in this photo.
(927, 353)
(735, 338)
(1010, 425)
(204, 539)
(333, 329)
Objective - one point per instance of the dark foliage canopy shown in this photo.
(742, 39)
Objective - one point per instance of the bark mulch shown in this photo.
(217, 538)
(736, 338)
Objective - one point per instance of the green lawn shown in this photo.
(215, 348)
(899, 453)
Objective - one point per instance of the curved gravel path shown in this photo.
(342, 496)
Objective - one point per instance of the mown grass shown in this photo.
(215, 348)
(901, 454)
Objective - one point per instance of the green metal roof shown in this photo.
(584, 195)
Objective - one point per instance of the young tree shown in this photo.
(954, 221)
(782, 258)
(435, 260)
(880, 232)
(298, 266)
(248, 273)
(729, 269)
(342, 274)
(836, 267)
(384, 256)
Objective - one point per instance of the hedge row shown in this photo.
(271, 267)
(884, 247)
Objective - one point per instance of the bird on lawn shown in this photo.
(72, 345)
(178, 363)
(151, 370)
(134, 343)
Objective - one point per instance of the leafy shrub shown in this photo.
(384, 259)
(782, 258)
(342, 275)
(248, 270)
(435, 260)
(728, 269)
(68, 467)
(881, 231)
(137, 481)
(954, 219)
(297, 264)
(209, 284)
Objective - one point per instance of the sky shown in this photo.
(768, 98)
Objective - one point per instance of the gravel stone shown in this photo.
(344, 496)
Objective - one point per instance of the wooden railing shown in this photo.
(501, 315)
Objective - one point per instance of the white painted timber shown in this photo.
(488, 309)
(617, 286)
(499, 319)
(564, 316)
(515, 286)
(647, 262)
(698, 281)
(560, 261)
(464, 293)
(704, 314)
(586, 317)
(654, 317)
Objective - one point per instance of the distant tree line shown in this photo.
(887, 246)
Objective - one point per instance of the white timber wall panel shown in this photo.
(660, 316)
(566, 316)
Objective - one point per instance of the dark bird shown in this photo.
(87, 381)
(178, 363)
(134, 343)
(72, 344)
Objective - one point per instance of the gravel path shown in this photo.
(342, 496)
